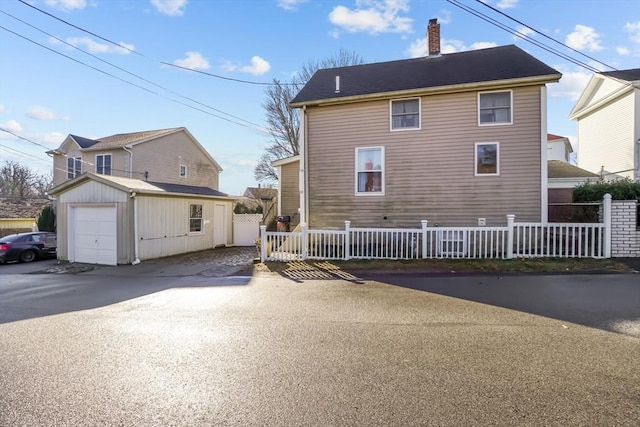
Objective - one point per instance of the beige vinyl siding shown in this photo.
(290, 191)
(429, 173)
(60, 162)
(606, 137)
(162, 158)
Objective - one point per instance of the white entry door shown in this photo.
(93, 235)
(219, 225)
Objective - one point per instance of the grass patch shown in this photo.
(518, 265)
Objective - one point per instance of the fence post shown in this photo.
(510, 230)
(303, 241)
(606, 211)
(347, 240)
(424, 223)
(263, 243)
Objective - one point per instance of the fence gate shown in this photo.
(246, 229)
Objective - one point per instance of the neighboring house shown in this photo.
(289, 188)
(455, 139)
(563, 177)
(112, 220)
(165, 155)
(608, 116)
(559, 148)
(18, 215)
(265, 197)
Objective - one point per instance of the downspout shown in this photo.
(544, 182)
(136, 260)
(128, 150)
(302, 186)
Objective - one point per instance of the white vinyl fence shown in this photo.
(512, 241)
(246, 229)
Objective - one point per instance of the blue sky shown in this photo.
(44, 96)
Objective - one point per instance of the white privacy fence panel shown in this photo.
(246, 229)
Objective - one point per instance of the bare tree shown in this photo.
(283, 121)
(17, 180)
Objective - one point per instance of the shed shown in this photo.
(112, 220)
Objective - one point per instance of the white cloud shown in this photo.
(419, 47)
(2, 109)
(525, 31)
(94, 47)
(623, 51)
(66, 5)
(444, 17)
(258, 66)
(571, 84)
(373, 16)
(633, 28)
(53, 138)
(290, 4)
(507, 4)
(12, 126)
(41, 113)
(584, 38)
(170, 7)
(193, 61)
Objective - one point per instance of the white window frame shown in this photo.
(104, 155)
(76, 169)
(401, 129)
(510, 122)
(183, 171)
(475, 159)
(201, 218)
(382, 172)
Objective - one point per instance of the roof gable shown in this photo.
(603, 88)
(455, 69)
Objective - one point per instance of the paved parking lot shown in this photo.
(148, 350)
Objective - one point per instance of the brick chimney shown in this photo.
(433, 37)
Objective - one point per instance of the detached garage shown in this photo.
(111, 220)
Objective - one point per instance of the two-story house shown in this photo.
(608, 117)
(135, 196)
(165, 155)
(456, 139)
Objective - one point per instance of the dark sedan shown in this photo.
(27, 247)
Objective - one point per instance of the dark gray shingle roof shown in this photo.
(476, 66)
(187, 189)
(84, 142)
(628, 75)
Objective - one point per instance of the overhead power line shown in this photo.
(129, 72)
(521, 35)
(544, 35)
(169, 64)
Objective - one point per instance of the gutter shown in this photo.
(136, 238)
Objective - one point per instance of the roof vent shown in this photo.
(337, 84)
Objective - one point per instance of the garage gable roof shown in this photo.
(130, 185)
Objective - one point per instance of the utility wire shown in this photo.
(544, 35)
(259, 129)
(128, 72)
(25, 154)
(522, 36)
(40, 145)
(145, 56)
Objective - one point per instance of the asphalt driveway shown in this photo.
(147, 350)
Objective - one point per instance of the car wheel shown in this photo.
(27, 256)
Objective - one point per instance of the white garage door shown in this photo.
(94, 235)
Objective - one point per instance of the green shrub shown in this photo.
(624, 189)
(47, 219)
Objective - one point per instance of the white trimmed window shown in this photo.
(74, 167)
(495, 108)
(183, 171)
(195, 219)
(405, 114)
(103, 164)
(487, 159)
(369, 171)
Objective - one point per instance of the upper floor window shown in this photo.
(370, 171)
(495, 108)
(103, 164)
(405, 114)
(183, 171)
(487, 158)
(195, 218)
(74, 167)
